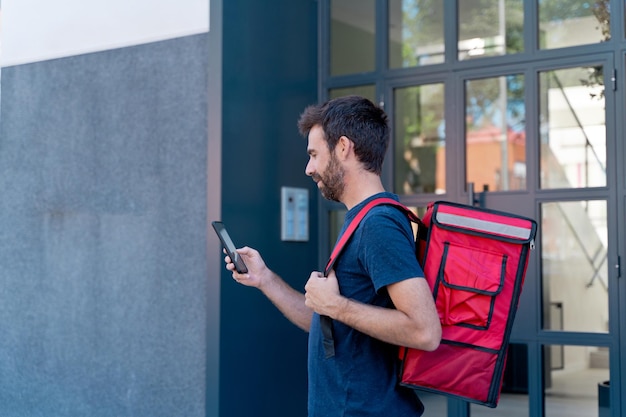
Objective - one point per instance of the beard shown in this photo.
(332, 180)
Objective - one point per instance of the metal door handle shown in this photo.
(476, 199)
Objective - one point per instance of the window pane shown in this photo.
(574, 266)
(490, 27)
(572, 384)
(419, 139)
(564, 23)
(415, 33)
(367, 91)
(495, 137)
(572, 128)
(352, 36)
(335, 221)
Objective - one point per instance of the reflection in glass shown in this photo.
(367, 91)
(415, 33)
(574, 249)
(572, 389)
(352, 36)
(495, 135)
(335, 221)
(490, 27)
(419, 139)
(564, 23)
(572, 128)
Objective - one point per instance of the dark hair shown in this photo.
(355, 117)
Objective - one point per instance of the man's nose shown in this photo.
(308, 169)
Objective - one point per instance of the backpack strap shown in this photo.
(326, 322)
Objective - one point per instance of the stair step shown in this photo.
(599, 359)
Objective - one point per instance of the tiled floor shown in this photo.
(573, 394)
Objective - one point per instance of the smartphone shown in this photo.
(228, 244)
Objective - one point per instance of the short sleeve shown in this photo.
(387, 247)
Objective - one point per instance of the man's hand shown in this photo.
(413, 322)
(257, 270)
(322, 294)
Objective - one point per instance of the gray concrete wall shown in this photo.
(103, 195)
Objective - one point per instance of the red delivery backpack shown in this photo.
(475, 262)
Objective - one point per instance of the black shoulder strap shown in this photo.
(326, 322)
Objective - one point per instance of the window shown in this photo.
(415, 33)
(352, 36)
(419, 139)
(564, 23)
(490, 27)
(572, 128)
(575, 266)
(495, 135)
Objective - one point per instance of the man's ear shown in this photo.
(344, 147)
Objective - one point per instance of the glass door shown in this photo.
(535, 142)
(539, 143)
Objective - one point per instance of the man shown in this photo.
(376, 295)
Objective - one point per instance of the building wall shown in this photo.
(39, 30)
(104, 297)
(103, 233)
(269, 76)
(120, 139)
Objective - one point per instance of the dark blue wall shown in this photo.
(103, 161)
(269, 76)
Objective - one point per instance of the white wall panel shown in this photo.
(37, 30)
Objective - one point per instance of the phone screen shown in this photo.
(228, 244)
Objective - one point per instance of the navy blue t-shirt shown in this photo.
(361, 379)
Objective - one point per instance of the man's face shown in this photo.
(323, 166)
